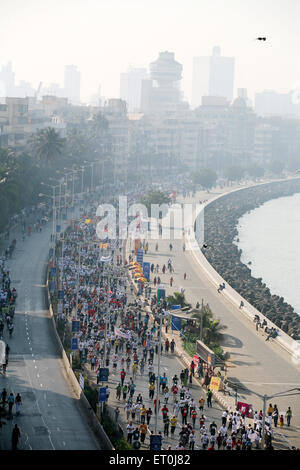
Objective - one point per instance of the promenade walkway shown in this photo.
(258, 366)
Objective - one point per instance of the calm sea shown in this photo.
(269, 237)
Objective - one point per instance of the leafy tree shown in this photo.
(48, 146)
(276, 167)
(212, 333)
(234, 173)
(77, 145)
(202, 315)
(255, 171)
(155, 197)
(205, 177)
(178, 298)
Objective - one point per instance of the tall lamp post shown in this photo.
(161, 316)
(53, 208)
(265, 398)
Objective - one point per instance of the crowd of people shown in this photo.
(117, 332)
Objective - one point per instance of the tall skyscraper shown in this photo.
(201, 67)
(7, 80)
(131, 85)
(72, 83)
(213, 76)
(162, 93)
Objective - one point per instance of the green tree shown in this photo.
(255, 171)
(178, 298)
(212, 333)
(206, 177)
(276, 167)
(155, 197)
(202, 316)
(234, 173)
(48, 146)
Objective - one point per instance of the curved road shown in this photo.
(51, 418)
(261, 367)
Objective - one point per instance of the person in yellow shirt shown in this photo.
(134, 369)
(201, 403)
(143, 414)
(173, 422)
(151, 390)
(143, 431)
(270, 410)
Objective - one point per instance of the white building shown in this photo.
(131, 87)
(72, 83)
(212, 76)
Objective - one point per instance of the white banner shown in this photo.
(121, 333)
(2, 352)
(106, 259)
(81, 381)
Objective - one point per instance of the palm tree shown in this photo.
(213, 333)
(202, 316)
(48, 145)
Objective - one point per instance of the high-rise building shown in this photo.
(72, 83)
(201, 67)
(7, 81)
(131, 86)
(213, 76)
(162, 93)
(272, 103)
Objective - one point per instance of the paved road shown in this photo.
(261, 367)
(50, 417)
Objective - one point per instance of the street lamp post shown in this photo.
(53, 208)
(285, 393)
(158, 371)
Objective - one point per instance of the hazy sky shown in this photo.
(102, 37)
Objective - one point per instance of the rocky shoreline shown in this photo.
(220, 230)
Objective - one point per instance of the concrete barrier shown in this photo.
(285, 341)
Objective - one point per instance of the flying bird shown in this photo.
(261, 39)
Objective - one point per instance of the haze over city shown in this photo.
(149, 227)
(103, 37)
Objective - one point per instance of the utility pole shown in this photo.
(201, 324)
(263, 422)
(158, 372)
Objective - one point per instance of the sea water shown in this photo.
(269, 237)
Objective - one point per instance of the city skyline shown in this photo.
(136, 31)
